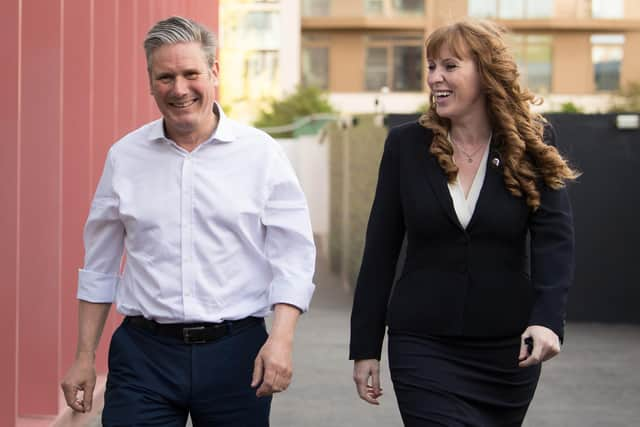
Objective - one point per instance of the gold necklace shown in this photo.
(467, 155)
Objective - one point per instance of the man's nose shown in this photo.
(180, 86)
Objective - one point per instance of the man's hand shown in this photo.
(546, 345)
(272, 369)
(79, 383)
(363, 370)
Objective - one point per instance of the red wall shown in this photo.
(75, 81)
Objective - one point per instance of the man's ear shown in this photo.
(215, 71)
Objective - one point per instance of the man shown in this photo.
(216, 233)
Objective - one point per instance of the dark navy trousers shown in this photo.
(159, 381)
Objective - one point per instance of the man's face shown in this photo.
(183, 86)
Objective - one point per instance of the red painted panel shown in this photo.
(146, 18)
(126, 88)
(39, 264)
(164, 9)
(9, 158)
(76, 171)
(175, 8)
(103, 110)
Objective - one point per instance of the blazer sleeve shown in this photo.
(385, 232)
(552, 254)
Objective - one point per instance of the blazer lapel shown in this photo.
(438, 181)
(493, 182)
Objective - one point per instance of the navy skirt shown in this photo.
(454, 381)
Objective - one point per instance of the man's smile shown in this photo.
(183, 104)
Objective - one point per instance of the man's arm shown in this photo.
(290, 251)
(80, 380)
(273, 367)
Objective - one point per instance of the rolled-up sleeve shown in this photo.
(289, 245)
(103, 242)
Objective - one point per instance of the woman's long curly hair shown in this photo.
(517, 131)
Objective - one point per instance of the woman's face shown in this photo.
(455, 85)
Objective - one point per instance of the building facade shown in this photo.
(259, 53)
(368, 54)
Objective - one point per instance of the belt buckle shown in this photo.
(193, 335)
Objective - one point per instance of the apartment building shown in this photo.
(369, 53)
(259, 53)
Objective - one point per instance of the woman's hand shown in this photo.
(366, 375)
(546, 345)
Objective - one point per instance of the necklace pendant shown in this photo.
(470, 160)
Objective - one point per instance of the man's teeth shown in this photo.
(183, 104)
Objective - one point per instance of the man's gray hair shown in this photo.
(177, 29)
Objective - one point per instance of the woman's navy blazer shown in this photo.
(510, 268)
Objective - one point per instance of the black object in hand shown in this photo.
(529, 342)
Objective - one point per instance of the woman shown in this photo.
(477, 186)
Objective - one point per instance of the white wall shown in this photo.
(290, 34)
(365, 102)
(310, 160)
(406, 103)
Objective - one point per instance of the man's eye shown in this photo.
(165, 79)
(192, 76)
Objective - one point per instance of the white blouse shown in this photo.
(464, 206)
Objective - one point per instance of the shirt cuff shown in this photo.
(296, 294)
(96, 287)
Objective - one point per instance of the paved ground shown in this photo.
(593, 383)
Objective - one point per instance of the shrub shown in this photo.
(570, 107)
(303, 102)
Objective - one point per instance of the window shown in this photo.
(261, 29)
(607, 9)
(254, 29)
(377, 69)
(394, 62)
(407, 68)
(606, 56)
(394, 7)
(261, 72)
(316, 7)
(409, 6)
(374, 7)
(533, 56)
(511, 9)
(315, 66)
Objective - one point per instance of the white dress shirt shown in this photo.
(465, 206)
(220, 233)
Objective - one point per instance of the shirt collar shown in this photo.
(223, 132)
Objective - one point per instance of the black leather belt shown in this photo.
(194, 333)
